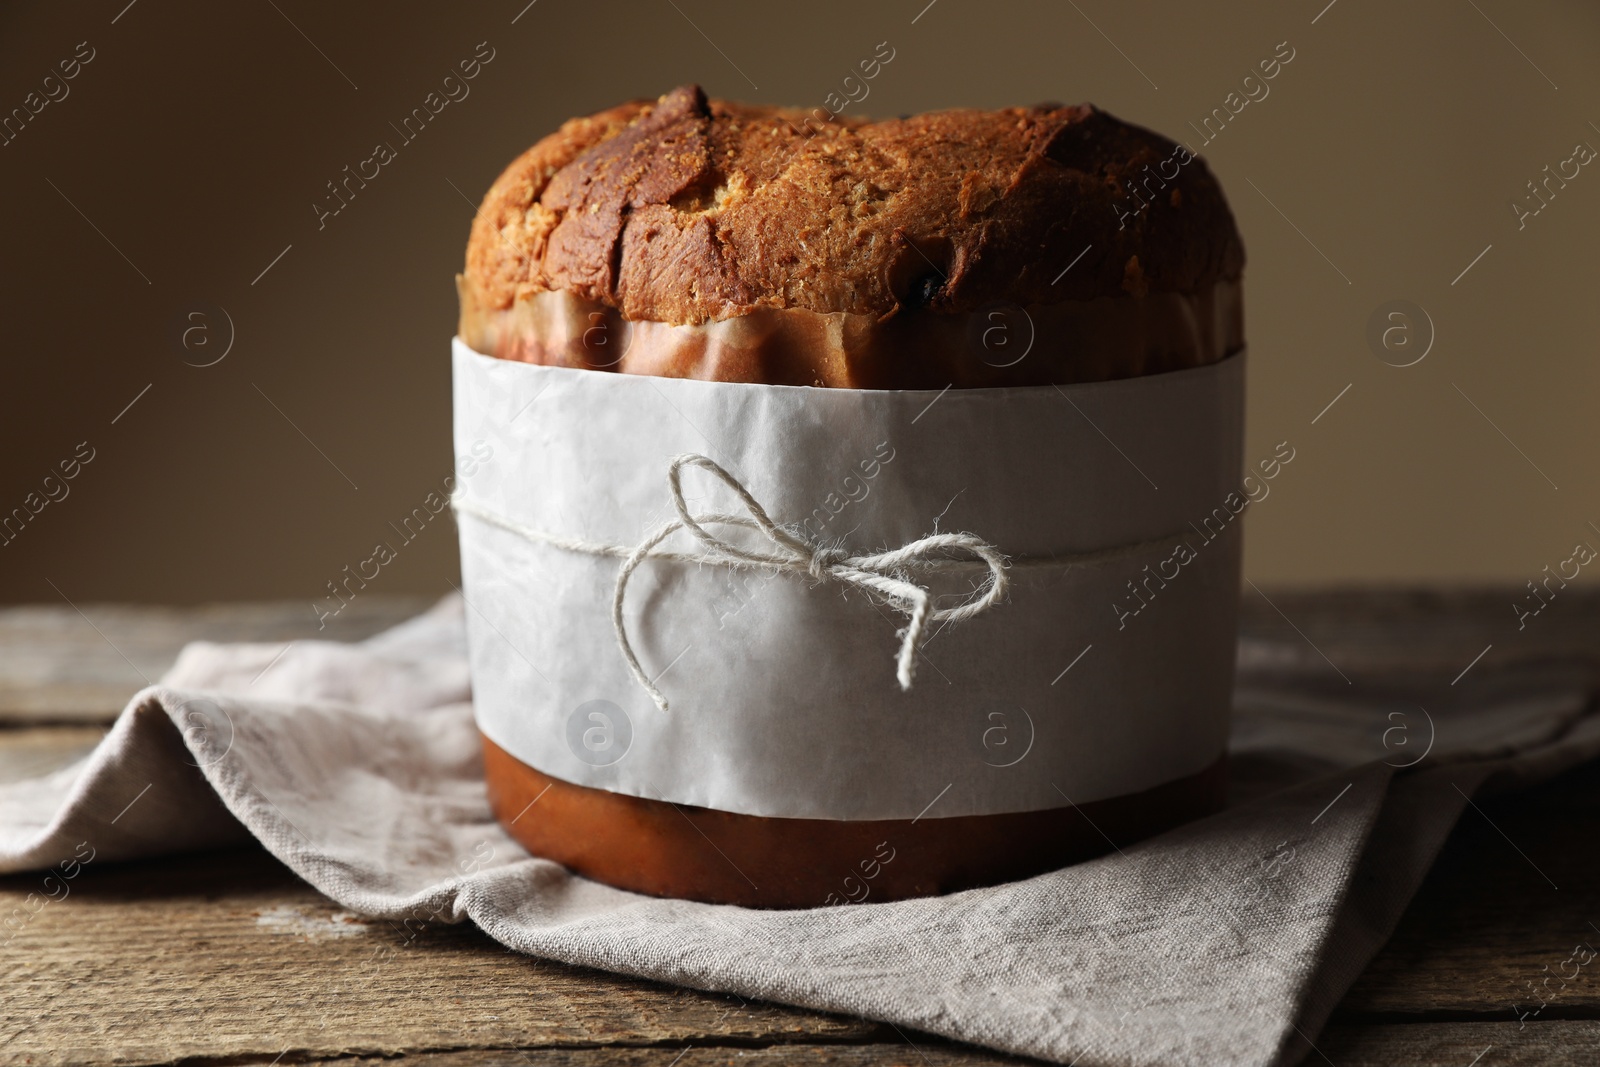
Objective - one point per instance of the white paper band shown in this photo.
(889, 575)
(1102, 674)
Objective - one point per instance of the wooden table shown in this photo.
(228, 958)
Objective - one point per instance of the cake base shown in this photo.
(677, 850)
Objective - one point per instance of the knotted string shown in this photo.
(888, 574)
(884, 573)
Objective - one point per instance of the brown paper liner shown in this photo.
(678, 850)
(1003, 345)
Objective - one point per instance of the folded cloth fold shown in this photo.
(358, 766)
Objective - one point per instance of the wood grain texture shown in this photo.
(1425, 633)
(60, 663)
(915, 1051)
(29, 752)
(1511, 898)
(1570, 1044)
(1466, 1044)
(230, 955)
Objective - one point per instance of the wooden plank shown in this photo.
(1464, 1044)
(914, 1051)
(1418, 631)
(1554, 1044)
(1489, 926)
(60, 664)
(230, 955)
(29, 752)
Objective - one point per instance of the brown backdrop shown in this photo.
(170, 185)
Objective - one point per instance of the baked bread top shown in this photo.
(685, 210)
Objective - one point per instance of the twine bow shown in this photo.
(886, 573)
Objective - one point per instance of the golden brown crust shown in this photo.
(688, 210)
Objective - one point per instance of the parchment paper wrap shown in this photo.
(784, 700)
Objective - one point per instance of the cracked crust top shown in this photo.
(689, 210)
